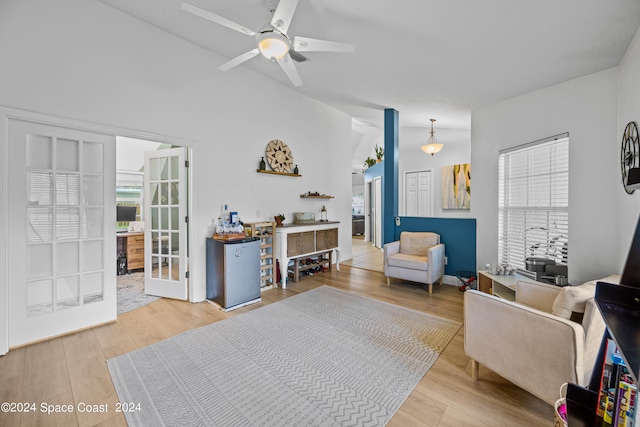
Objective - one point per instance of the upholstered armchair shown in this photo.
(533, 342)
(417, 256)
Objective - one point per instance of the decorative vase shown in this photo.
(378, 160)
(278, 221)
(296, 170)
(263, 165)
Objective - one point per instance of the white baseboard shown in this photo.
(450, 280)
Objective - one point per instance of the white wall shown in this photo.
(628, 110)
(587, 109)
(456, 150)
(84, 60)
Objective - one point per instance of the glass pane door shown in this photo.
(61, 195)
(165, 227)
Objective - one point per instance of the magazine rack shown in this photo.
(620, 309)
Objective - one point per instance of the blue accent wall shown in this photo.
(457, 234)
(374, 172)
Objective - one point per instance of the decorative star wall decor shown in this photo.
(279, 156)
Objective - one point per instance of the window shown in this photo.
(534, 202)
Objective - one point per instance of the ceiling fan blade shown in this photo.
(306, 44)
(216, 18)
(283, 14)
(239, 59)
(290, 70)
(298, 57)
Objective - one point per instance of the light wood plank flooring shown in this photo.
(72, 369)
(365, 255)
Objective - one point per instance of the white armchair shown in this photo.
(417, 256)
(529, 345)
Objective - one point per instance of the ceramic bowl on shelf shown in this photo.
(304, 217)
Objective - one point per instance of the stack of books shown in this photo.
(618, 394)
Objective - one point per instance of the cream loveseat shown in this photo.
(532, 342)
(417, 256)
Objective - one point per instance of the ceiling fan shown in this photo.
(272, 40)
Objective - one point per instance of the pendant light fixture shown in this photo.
(432, 146)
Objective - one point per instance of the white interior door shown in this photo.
(165, 232)
(62, 230)
(418, 194)
(377, 185)
(411, 193)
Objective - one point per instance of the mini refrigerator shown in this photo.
(233, 272)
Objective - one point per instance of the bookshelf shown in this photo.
(620, 309)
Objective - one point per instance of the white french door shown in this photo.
(165, 232)
(61, 214)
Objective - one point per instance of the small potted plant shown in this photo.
(379, 153)
(369, 162)
(279, 219)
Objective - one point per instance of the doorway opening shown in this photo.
(364, 254)
(152, 249)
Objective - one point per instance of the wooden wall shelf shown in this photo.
(277, 173)
(303, 196)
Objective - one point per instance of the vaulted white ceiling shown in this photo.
(425, 58)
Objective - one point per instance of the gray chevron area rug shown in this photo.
(325, 357)
(130, 292)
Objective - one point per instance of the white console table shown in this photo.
(300, 240)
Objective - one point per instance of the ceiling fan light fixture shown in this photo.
(273, 45)
(432, 146)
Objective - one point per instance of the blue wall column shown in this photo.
(390, 181)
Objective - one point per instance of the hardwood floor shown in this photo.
(365, 255)
(71, 370)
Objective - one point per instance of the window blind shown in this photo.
(533, 202)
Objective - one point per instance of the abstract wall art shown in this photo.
(456, 186)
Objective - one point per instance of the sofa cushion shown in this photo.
(417, 243)
(574, 298)
(413, 262)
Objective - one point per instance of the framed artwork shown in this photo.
(456, 186)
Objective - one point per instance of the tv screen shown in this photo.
(125, 213)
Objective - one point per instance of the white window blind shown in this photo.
(534, 202)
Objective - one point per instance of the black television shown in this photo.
(125, 213)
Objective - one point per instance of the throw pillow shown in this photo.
(574, 298)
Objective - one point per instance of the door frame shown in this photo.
(8, 113)
(367, 211)
(378, 217)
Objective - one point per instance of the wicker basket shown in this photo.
(560, 408)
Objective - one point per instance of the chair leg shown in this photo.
(474, 369)
(440, 281)
(430, 288)
(388, 281)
